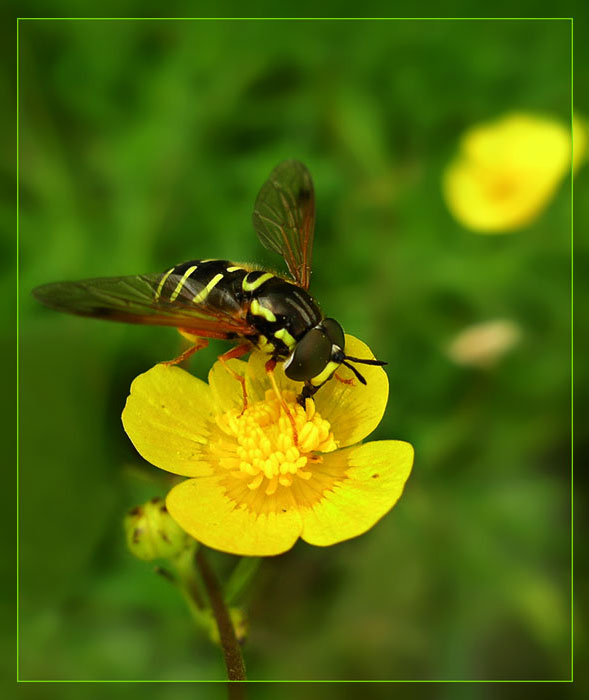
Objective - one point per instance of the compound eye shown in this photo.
(310, 356)
(334, 331)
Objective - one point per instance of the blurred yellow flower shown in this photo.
(251, 490)
(483, 344)
(508, 170)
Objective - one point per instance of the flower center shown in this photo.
(261, 450)
(502, 186)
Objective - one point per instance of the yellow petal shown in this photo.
(202, 508)
(168, 417)
(522, 140)
(355, 410)
(374, 477)
(226, 389)
(495, 201)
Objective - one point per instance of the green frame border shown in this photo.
(287, 19)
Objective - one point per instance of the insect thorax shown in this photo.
(280, 311)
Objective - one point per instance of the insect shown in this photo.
(242, 303)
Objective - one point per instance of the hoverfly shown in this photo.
(219, 299)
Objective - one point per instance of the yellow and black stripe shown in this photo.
(280, 311)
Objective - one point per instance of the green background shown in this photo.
(143, 144)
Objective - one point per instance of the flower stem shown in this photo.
(231, 649)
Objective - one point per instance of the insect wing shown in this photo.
(284, 217)
(144, 299)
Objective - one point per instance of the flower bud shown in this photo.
(152, 534)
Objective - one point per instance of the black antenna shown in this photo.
(340, 357)
(355, 371)
(379, 363)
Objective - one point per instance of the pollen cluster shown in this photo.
(260, 448)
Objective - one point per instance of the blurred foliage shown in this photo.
(143, 144)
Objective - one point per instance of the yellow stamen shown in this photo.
(259, 449)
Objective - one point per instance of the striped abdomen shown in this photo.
(280, 311)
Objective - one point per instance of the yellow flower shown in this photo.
(251, 490)
(507, 171)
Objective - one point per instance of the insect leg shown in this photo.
(199, 344)
(270, 365)
(307, 393)
(237, 351)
